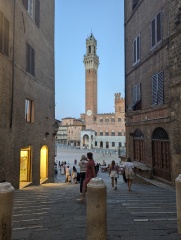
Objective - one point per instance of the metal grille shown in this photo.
(138, 134)
(160, 133)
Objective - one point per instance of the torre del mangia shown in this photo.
(102, 130)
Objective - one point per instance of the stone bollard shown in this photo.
(96, 210)
(178, 201)
(6, 210)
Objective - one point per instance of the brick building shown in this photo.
(153, 85)
(27, 124)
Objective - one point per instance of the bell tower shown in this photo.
(91, 63)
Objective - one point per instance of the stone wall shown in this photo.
(164, 57)
(18, 85)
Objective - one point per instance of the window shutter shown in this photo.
(138, 92)
(153, 32)
(160, 87)
(134, 94)
(138, 48)
(6, 36)
(1, 31)
(25, 4)
(159, 27)
(32, 61)
(37, 12)
(134, 51)
(28, 57)
(154, 89)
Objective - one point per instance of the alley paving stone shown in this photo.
(50, 211)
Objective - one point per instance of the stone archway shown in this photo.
(85, 140)
(160, 154)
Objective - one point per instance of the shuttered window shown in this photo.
(157, 89)
(25, 3)
(33, 9)
(30, 60)
(136, 50)
(134, 3)
(37, 12)
(156, 30)
(137, 93)
(4, 34)
(29, 111)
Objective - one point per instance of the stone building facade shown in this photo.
(27, 92)
(69, 131)
(105, 130)
(153, 85)
(93, 129)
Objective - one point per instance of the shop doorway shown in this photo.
(43, 163)
(25, 167)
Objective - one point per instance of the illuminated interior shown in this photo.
(25, 165)
(43, 162)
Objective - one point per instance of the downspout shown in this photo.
(125, 55)
(125, 92)
(13, 66)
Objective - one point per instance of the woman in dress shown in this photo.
(90, 173)
(113, 173)
(74, 175)
(129, 172)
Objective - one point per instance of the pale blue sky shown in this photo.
(74, 21)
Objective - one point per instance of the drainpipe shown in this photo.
(125, 84)
(13, 66)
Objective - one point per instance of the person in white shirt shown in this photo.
(82, 165)
(129, 172)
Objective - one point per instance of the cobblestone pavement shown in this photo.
(50, 211)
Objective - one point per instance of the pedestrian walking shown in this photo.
(129, 172)
(90, 173)
(82, 165)
(55, 170)
(74, 175)
(67, 174)
(62, 169)
(114, 174)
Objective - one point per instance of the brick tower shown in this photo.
(91, 63)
